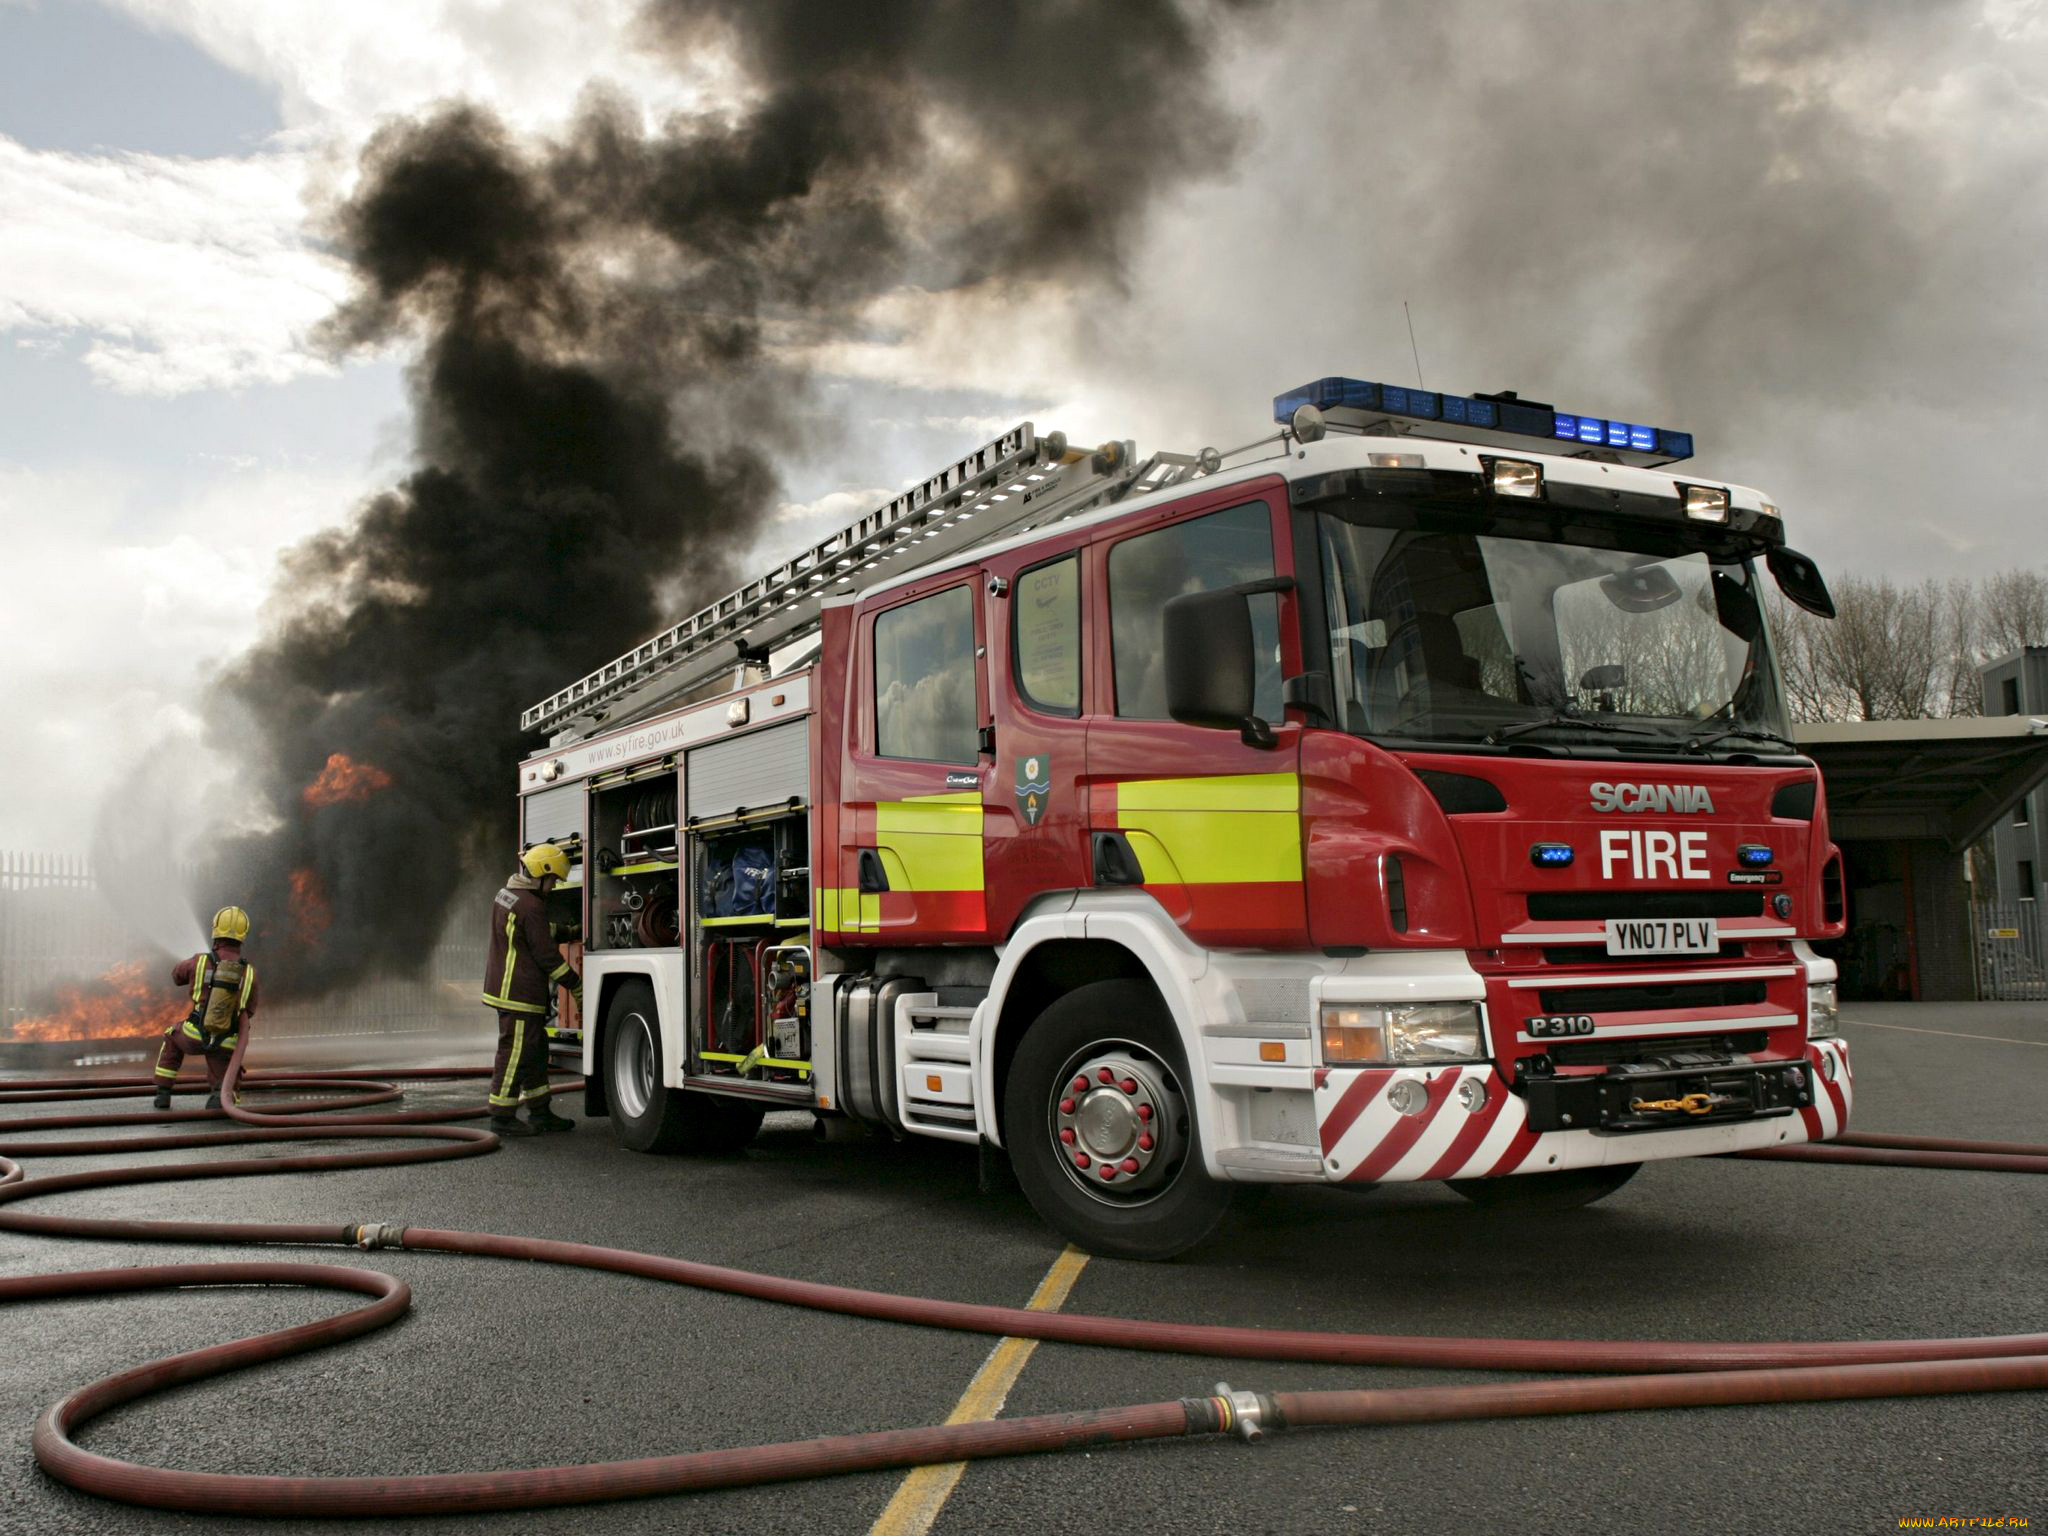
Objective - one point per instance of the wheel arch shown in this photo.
(602, 982)
(1116, 936)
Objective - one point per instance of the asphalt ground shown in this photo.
(505, 1365)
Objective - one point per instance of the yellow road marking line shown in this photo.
(925, 1489)
(1953, 1034)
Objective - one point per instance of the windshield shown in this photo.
(1462, 636)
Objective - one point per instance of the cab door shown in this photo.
(1036, 813)
(1212, 823)
(910, 826)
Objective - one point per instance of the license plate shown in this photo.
(1662, 936)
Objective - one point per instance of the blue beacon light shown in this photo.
(1551, 855)
(1754, 855)
(1502, 414)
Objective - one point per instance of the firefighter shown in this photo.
(223, 1002)
(520, 978)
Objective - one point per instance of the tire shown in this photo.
(647, 1116)
(1543, 1194)
(1140, 1116)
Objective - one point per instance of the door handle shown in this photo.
(1116, 862)
(873, 878)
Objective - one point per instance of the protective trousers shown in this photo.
(188, 1039)
(520, 1075)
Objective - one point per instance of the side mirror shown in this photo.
(1208, 638)
(1605, 679)
(1800, 580)
(1211, 659)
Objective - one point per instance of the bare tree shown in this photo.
(1796, 634)
(1879, 658)
(2014, 610)
(1963, 624)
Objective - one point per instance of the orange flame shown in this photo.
(124, 1004)
(344, 780)
(310, 911)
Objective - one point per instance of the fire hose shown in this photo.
(1653, 1374)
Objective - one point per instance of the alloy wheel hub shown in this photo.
(1115, 1118)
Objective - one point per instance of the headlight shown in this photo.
(1374, 1034)
(1823, 1012)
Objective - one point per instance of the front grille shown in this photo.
(1667, 994)
(1596, 906)
(1593, 954)
(1607, 1053)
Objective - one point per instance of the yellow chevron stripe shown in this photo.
(936, 839)
(1228, 829)
(1219, 792)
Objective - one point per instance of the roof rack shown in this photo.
(1018, 481)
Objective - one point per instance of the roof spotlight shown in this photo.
(1706, 503)
(1514, 477)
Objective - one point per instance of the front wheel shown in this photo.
(1098, 1127)
(648, 1115)
(1543, 1194)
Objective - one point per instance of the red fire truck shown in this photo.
(1405, 795)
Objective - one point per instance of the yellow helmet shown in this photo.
(545, 859)
(231, 923)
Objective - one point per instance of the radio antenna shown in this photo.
(1412, 347)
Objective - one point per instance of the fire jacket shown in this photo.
(524, 967)
(223, 990)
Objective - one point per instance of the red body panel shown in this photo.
(1359, 804)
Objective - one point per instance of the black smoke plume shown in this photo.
(599, 320)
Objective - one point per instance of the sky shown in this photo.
(1809, 233)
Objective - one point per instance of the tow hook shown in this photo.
(1691, 1104)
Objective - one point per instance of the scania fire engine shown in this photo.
(1405, 795)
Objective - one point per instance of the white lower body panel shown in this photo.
(1363, 1138)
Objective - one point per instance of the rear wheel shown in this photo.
(1540, 1194)
(1097, 1126)
(647, 1115)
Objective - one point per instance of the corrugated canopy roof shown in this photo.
(1945, 779)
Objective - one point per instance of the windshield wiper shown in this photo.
(1700, 743)
(1560, 718)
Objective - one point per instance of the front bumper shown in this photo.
(1455, 1131)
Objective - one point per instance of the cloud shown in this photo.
(181, 274)
(342, 69)
(111, 654)
(189, 274)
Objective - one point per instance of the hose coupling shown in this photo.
(379, 1234)
(1248, 1414)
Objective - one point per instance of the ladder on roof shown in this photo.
(1017, 482)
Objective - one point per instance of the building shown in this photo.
(1906, 800)
(2018, 685)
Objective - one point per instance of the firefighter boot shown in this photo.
(505, 1123)
(162, 1099)
(213, 1101)
(541, 1118)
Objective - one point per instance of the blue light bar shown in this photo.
(1550, 855)
(1504, 416)
(1755, 855)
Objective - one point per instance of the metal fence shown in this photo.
(2011, 957)
(58, 928)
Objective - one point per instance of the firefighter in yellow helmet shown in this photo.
(520, 977)
(223, 987)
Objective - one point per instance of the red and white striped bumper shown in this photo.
(1365, 1140)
